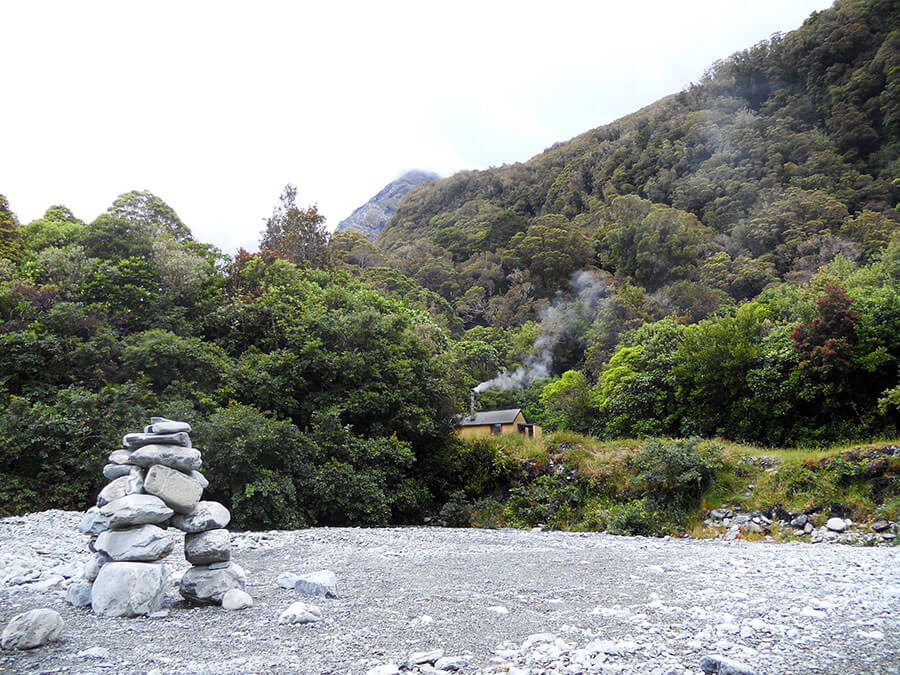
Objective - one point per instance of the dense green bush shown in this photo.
(673, 474)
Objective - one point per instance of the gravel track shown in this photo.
(659, 605)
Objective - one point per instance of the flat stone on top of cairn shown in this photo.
(154, 484)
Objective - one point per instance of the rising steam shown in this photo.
(559, 319)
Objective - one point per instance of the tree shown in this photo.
(295, 234)
(146, 210)
(9, 230)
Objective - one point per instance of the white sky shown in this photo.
(214, 106)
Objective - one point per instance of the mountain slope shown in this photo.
(371, 217)
(803, 128)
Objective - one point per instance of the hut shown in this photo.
(496, 423)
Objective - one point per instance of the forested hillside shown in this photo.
(738, 230)
(725, 262)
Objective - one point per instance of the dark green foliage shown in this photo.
(673, 474)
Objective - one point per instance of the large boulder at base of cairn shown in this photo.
(133, 510)
(140, 544)
(132, 484)
(173, 456)
(208, 585)
(32, 629)
(205, 548)
(134, 441)
(205, 516)
(179, 491)
(129, 589)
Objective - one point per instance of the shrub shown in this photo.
(673, 474)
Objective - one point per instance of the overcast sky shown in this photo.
(214, 106)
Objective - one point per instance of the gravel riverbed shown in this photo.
(503, 600)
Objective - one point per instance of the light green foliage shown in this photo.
(567, 402)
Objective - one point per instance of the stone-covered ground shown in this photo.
(503, 600)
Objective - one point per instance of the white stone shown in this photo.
(79, 594)
(204, 516)
(235, 599)
(322, 583)
(94, 653)
(120, 457)
(93, 522)
(140, 544)
(93, 565)
(129, 589)
(126, 485)
(205, 548)
(173, 456)
(300, 612)
(499, 609)
(32, 629)
(287, 580)
(132, 510)
(836, 524)
(162, 425)
(384, 669)
(208, 585)
(181, 493)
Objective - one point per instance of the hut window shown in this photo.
(496, 429)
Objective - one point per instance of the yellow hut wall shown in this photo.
(485, 429)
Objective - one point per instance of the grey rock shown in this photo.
(204, 516)
(204, 548)
(93, 565)
(219, 565)
(140, 544)
(32, 629)
(113, 471)
(371, 217)
(79, 595)
(451, 663)
(131, 484)
(93, 522)
(721, 514)
(137, 440)
(173, 456)
(161, 425)
(235, 599)
(120, 457)
(881, 525)
(133, 510)
(809, 527)
(129, 589)
(800, 521)
(287, 580)
(200, 478)
(322, 583)
(180, 492)
(724, 666)
(300, 612)
(836, 524)
(98, 653)
(384, 669)
(206, 585)
(418, 658)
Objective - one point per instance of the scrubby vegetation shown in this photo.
(665, 486)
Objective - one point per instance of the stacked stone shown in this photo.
(155, 482)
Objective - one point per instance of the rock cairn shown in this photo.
(154, 483)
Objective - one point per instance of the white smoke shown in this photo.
(559, 319)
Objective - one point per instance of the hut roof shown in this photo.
(490, 417)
